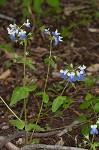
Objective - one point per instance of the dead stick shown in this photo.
(20, 133)
(49, 147)
(7, 18)
(11, 146)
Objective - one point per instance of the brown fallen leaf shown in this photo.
(11, 55)
(69, 9)
(5, 74)
(93, 68)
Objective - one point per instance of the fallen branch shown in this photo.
(74, 123)
(17, 134)
(7, 18)
(49, 147)
(9, 145)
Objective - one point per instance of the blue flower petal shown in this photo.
(93, 131)
(56, 40)
(53, 33)
(70, 79)
(96, 131)
(79, 77)
(22, 36)
(63, 76)
(12, 37)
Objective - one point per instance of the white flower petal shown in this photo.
(61, 71)
(93, 126)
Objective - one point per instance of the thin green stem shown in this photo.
(93, 138)
(24, 84)
(64, 89)
(10, 109)
(48, 69)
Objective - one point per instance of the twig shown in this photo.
(74, 123)
(49, 147)
(57, 132)
(9, 145)
(20, 133)
(7, 18)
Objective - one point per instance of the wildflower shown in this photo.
(79, 75)
(71, 76)
(12, 36)
(56, 37)
(82, 68)
(12, 31)
(74, 75)
(46, 31)
(94, 129)
(63, 74)
(22, 34)
(27, 23)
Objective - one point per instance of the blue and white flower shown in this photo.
(27, 23)
(12, 31)
(71, 76)
(12, 36)
(56, 37)
(82, 67)
(74, 75)
(22, 34)
(79, 76)
(63, 73)
(46, 31)
(94, 129)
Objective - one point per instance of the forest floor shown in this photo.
(80, 46)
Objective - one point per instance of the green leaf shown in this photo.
(82, 119)
(85, 104)
(34, 127)
(37, 6)
(18, 94)
(67, 103)
(88, 96)
(39, 94)
(3, 2)
(89, 82)
(45, 97)
(35, 141)
(31, 88)
(96, 107)
(53, 3)
(7, 47)
(58, 113)
(29, 63)
(85, 130)
(58, 9)
(25, 3)
(53, 64)
(57, 103)
(17, 123)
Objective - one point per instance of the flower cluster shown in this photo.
(75, 75)
(56, 36)
(15, 31)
